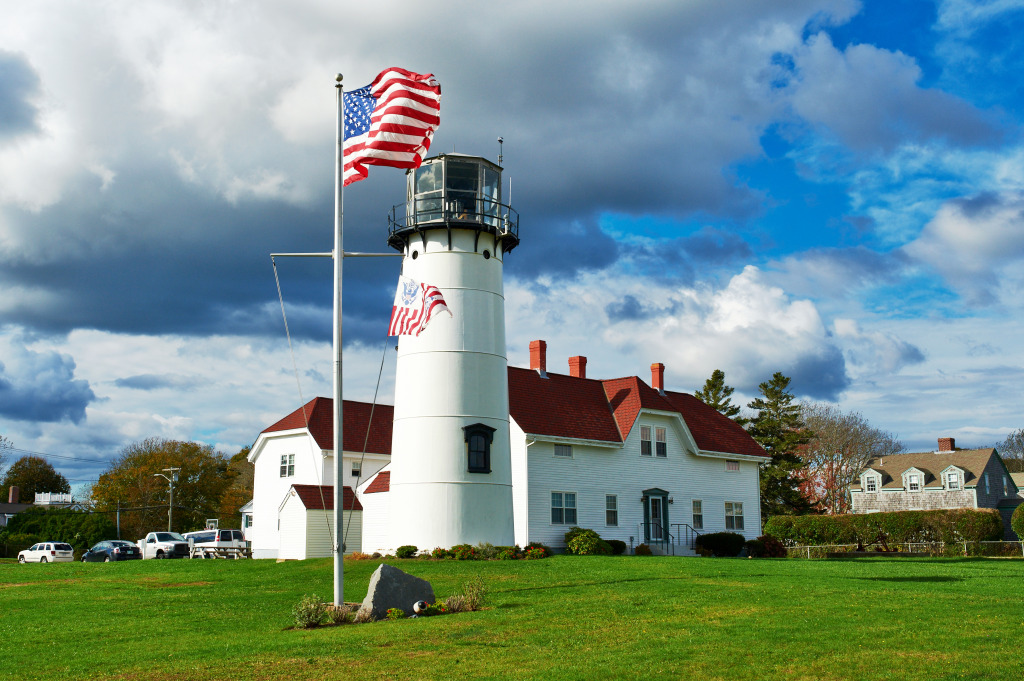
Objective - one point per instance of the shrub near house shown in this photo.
(948, 526)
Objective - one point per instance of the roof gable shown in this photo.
(319, 413)
(560, 406)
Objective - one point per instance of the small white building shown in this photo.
(297, 450)
(307, 522)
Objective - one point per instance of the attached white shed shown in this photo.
(306, 518)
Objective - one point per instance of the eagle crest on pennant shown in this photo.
(409, 288)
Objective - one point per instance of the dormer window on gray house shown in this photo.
(913, 480)
(870, 483)
(954, 479)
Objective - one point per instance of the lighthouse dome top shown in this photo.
(454, 191)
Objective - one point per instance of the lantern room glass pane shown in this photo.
(489, 197)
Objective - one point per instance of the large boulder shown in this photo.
(392, 588)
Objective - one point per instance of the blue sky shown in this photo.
(828, 188)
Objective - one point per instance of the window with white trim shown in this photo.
(564, 451)
(733, 515)
(660, 443)
(697, 520)
(952, 480)
(732, 466)
(563, 508)
(356, 470)
(871, 484)
(287, 465)
(611, 510)
(645, 440)
(914, 482)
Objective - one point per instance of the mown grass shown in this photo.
(560, 618)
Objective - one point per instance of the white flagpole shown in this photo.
(339, 256)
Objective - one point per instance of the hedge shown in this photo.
(1017, 522)
(719, 544)
(946, 525)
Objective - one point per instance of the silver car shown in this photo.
(47, 552)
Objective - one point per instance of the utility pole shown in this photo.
(170, 480)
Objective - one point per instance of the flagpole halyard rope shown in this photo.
(302, 400)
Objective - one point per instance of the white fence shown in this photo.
(983, 548)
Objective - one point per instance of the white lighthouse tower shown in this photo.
(451, 479)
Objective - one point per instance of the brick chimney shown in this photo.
(539, 357)
(947, 444)
(12, 494)
(658, 377)
(578, 366)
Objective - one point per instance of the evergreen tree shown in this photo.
(779, 428)
(717, 394)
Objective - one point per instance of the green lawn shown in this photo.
(560, 618)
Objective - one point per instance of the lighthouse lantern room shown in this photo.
(451, 480)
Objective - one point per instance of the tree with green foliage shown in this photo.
(1012, 451)
(718, 395)
(32, 474)
(778, 427)
(131, 483)
(81, 529)
(240, 491)
(1017, 522)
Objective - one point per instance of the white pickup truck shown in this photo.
(217, 544)
(163, 545)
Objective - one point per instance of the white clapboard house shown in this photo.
(629, 459)
(289, 515)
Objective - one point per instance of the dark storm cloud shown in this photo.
(820, 374)
(18, 84)
(183, 261)
(41, 387)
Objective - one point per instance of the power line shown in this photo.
(55, 456)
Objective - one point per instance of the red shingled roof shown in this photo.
(356, 415)
(321, 497)
(382, 483)
(556, 406)
(560, 406)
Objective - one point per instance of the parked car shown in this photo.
(217, 543)
(163, 545)
(115, 549)
(47, 552)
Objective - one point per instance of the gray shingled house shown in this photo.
(947, 478)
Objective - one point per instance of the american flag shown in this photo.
(390, 122)
(415, 305)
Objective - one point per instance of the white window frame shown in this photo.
(563, 451)
(870, 484)
(356, 469)
(646, 444)
(697, 514)
(564, 507)
(660, 442)
(913, 482)
(611, 510)
(953, 480)
(287, 465)
(734, 515)
(732, 466)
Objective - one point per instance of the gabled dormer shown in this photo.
(871, 480)
(914, 479)
(953, 478)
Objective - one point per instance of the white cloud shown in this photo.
(977, 245)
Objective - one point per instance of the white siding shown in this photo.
(376, 521)
(292, 535)
(312, 467)
(594, 472)
(269, 488)
(520, 483)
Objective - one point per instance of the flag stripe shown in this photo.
(398, 130)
